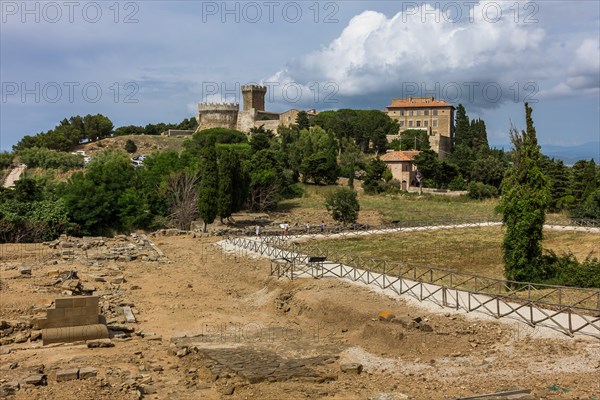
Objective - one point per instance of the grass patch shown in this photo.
(402, 207)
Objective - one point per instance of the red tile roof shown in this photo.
(418, 102)
(407, 155)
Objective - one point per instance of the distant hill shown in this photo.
(570, 154)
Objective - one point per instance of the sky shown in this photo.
(141, 62)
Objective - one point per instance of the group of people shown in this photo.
(286, 228)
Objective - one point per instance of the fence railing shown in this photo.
(567, 309)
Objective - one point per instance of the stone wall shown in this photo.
(217, 115)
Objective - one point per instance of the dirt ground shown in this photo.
(212, 322)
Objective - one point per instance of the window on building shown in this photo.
(405, 167)
(402, 113)
(426, 112)
(435, 123)
(426, 123)
(434, 112)
(410, 113)
(401, 124)
(418, 124)
(410, 124)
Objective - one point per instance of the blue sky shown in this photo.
(142, 62)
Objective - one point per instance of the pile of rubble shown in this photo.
(18, 332)
(97, 249)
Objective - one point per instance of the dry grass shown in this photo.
(470, 250)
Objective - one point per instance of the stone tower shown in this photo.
(254, 97)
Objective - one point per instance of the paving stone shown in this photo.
(70, 374)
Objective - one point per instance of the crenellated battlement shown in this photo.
(208, 107)
(254, 88)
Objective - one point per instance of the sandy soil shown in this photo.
(226, 301)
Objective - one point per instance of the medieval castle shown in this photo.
(228, 115)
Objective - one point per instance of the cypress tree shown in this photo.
(525, 198)
(208, 191)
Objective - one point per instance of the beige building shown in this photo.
(401, 164)
(436, 117)
(253, 114)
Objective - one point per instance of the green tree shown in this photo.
(462, 131)
(209, 186)
(584, 179)
(6, 159)
(428, 164)
(374, 176)
(92, 198)
(266, 180)
(130, 146)
(414, 139)
(523, 205)
(302, 120)
(343, 205)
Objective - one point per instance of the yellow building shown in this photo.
(401, 164)
(436, 117)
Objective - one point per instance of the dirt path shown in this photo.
(289, 337)
(14, 175)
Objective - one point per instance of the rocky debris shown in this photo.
(25, 270)
(9, 389)
(98, 249)
(17, 332)
(351, 368)
(415, 323)
(100, 343)
(385, 316)
(282, 301)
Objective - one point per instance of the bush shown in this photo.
(458, 183)
(566, 270)
(343, 205)
(39, 157)
(130, 146)
(480, 191)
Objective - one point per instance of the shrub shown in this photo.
(343, 205)
(566, 270)
(39, 157)
(130, 146)
(480, 191)
(457, 183)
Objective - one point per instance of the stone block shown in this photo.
(35, 379)
(79, 301)
(87, 372)
(70, 374)
(64, 302)
(351, 368)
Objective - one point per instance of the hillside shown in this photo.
(146, 144)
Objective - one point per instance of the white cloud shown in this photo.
(375, 53)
